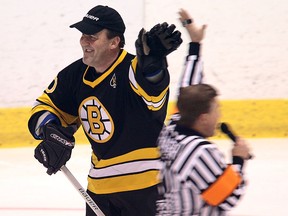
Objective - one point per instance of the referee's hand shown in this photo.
(241, 149)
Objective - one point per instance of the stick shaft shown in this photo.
(82, 191)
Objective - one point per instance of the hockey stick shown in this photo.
(82, 191)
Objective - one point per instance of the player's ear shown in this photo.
(115, 42)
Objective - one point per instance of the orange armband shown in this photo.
(222, 187)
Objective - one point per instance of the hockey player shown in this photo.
(120, 100)
(196, 180)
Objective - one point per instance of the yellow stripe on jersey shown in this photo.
(153, 102)
(107, 73)
(154, 106)
(126, 168)
(51, 89)
(132, 171)
(139, 154)
(123, 183)
(48, 105)
(223, 187)
(134, 64)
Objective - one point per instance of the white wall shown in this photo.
(245, 49)
(246, 46)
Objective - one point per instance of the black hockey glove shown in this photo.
(162, 39)
(56, 148)
(152, 48)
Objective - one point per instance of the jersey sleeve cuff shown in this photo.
(238, 160)
(194, 48)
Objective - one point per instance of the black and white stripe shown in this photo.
(191, 165)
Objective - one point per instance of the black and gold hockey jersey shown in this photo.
(122, 115)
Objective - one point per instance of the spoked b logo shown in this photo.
(96, 120)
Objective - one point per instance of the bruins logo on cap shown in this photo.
(96, 120)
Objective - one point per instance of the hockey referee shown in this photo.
(196, 180)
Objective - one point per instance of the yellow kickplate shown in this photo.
(248, 118)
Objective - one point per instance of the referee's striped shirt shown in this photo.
(196, 179)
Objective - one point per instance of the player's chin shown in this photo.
(86, 60)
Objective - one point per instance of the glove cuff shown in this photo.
(60, 135)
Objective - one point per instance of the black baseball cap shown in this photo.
(99, 18)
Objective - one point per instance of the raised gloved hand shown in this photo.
(152, 48)
(162, 39)
(56, 148)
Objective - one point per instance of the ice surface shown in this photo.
(26, 190)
